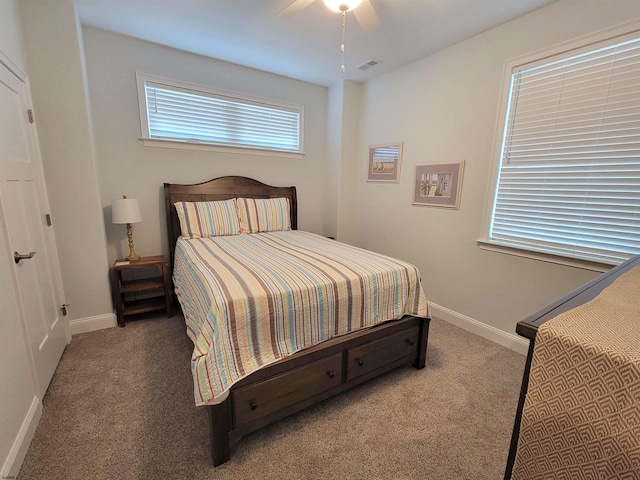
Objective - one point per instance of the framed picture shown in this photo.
(438, 184)
(384, 163)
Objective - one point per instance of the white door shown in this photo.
(23, 202)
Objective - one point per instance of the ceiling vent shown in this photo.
(369, 64)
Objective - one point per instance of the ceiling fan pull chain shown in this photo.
(344, 31)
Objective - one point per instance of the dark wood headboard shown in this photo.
(222, 188)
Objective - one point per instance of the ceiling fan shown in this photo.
(362, 10)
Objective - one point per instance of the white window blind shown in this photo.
(569, 177)
(390, 152)
(205, 116)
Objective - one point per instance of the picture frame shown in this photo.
(438, 184)
(384, 163)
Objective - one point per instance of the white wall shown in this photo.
(11, 44)
(20, 407)
(342, 144)
(56, 69)
(444, 108)
(125, 166)
(334, 158)
(349, 148)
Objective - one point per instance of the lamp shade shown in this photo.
(125, 210)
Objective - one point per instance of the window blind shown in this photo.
(387, 153)
(176, 113)
(569, 176)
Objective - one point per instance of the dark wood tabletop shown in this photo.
(529, 326)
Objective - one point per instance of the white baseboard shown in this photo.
(89, 324)
(509, 340)
(13, 462)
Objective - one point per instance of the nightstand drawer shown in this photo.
(368, 357)
(262, 398)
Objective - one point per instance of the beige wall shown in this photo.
(444, 108)
(349, 148)
(56, 70)
(342, 144)
(11, 43)
(126, 166)
(334, 158)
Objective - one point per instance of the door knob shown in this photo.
(24, 256)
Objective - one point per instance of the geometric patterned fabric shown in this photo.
(581, 416)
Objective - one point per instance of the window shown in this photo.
(181, 113)
(568, 181)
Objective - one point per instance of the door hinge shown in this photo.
(47, 217)
(30, 114)
(63, 307)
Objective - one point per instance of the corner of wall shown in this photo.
(57, 75)
(332, 172)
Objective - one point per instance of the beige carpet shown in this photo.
(120, 406)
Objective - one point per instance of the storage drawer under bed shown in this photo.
(377, 354)
(263, 398)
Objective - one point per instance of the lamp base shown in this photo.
(133, 256)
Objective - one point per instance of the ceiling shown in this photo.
(305, 46)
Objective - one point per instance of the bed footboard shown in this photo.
(312, 376)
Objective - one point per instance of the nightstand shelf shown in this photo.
(154, 290)
(142, 285)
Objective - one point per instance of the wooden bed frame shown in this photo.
(309, 376)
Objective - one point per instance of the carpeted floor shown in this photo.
(120, 406)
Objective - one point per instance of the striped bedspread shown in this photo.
(252, 299)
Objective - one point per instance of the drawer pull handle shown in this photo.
(331, 374)
(410, 342)
(253, 406)
(359, 362)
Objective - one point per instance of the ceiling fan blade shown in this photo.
(293, 8)
(366, 16)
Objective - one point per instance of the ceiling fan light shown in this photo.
(342, 5)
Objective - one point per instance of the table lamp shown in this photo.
(126, 210)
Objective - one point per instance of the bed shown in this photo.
(275, 367)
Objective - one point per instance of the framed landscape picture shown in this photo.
(384, 163)
(438, 184)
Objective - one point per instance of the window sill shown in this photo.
(183, 145)
(544, 257)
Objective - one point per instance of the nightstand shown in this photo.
(150, 293)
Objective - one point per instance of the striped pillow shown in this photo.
(208, 219)
(264, 214)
